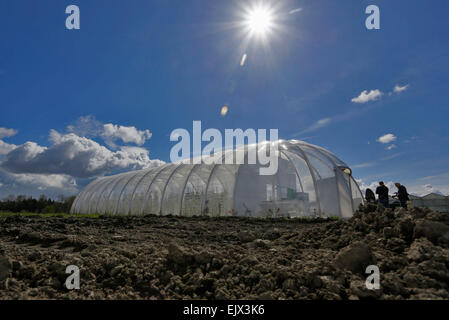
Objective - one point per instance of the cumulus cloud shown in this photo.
(43, 181)
(387, 138)
(374, 184)
(110, 133)
(422, 190)
(366, 96)
(72, 158)
(432, 184)
(86, 126)
(399, 89)
(6, 147)
(5, 132)
(34, 185)
(416, 189)
(75, 156)
(430, 189)
(113, 132)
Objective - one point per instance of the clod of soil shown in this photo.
(167, 257)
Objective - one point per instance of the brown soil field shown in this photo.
(166, 257)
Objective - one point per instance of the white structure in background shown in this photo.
(433, 201)
(310, 181)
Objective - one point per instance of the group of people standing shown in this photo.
(382, 192)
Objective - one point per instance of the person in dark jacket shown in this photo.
(402, 194)
(369, 196)
(382, 191)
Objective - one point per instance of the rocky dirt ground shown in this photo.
(155, 257)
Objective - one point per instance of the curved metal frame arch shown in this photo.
(184, 188)
(317, 193)
(85, 193)
(203, 201)
(93, 207)
(147, 194)
(121, 192)
(152, 170)
(112, 190)
(180, 165)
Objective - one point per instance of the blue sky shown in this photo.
(145, 68)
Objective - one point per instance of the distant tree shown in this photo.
(23, 203)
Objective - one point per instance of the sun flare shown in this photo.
(260, 20)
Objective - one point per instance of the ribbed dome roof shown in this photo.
(310, 181)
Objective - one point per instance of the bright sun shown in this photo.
(260, 20)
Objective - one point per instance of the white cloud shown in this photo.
(43, 181)
(323, 122)
(387, 138)
(417, 189)
(114, 132)
(366, 96)
(438, 177)
(34, 185)
(75, 156)
(422, 190)
(71, 159)
(399, 89)
(374, 184)
(6, 147)
(364, 165)
(438, 183)
(86, 126)
(430, 189)
(90, 127)
(391, 147)
(317, 125)
(392, 156)
(4, 132)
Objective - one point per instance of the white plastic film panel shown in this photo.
(309, 181)
(141, 191)
(195, 190)
(171, 203)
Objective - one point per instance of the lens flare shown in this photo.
(224, 111)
